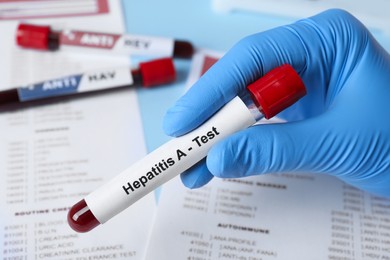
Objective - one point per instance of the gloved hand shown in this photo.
(341, 127)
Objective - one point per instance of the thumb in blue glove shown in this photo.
(340, 128)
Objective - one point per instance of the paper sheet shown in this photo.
(24, 9)
(290, 216)
(52, 155)
(372, 13)
(50, 158)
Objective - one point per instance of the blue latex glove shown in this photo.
(341, 127)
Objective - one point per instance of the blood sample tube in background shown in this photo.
(148, 74)
(266, 97)
(44, 38)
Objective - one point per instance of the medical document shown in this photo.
(50, 158)
(271, 217)
(290, 216)
(54, 153)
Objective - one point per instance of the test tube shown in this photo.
(148, 74)
(43, 37)
(266, 97)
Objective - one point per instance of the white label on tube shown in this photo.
(89, 81)
(167, 161)
(145, 45)
(105, 79)
(116, 43)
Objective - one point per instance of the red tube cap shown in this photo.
(157, 72)
(33, 36)
(81, 218)
(277, 90)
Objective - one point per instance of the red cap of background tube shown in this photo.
(157, 72)
(277, 90)
(33, 36)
